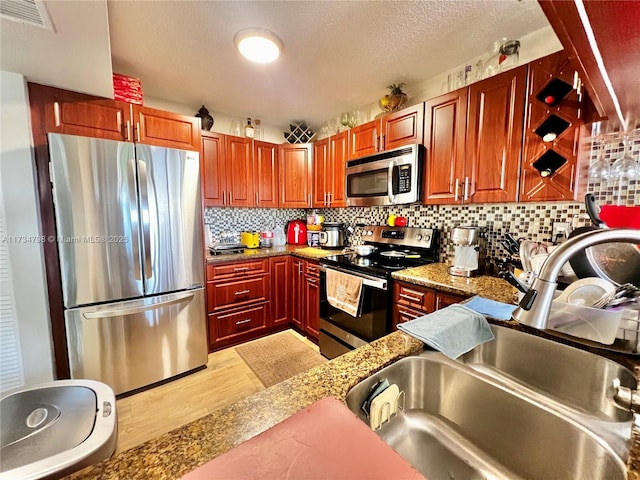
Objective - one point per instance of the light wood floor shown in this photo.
(151, 413)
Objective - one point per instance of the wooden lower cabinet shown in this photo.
(297, 289)
(412, 301)
(280, 290)
(311, 299)
(237, 322)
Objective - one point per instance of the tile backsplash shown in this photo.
(533, 221)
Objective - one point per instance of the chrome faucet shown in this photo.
(535, 305)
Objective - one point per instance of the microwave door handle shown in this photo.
(392, 166)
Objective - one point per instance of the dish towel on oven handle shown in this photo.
(453, 330)
(344, 292)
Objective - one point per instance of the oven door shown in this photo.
(341, 332)
(388, 178)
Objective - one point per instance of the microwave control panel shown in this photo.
(404, 179)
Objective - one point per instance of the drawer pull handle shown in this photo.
(240, 322)
(407, 314)
(410, 298)
(240, 269)
(242, 292)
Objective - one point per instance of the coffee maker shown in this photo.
(469, 251)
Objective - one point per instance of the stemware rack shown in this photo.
(299, 132)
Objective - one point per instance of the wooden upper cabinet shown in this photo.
(550, 169)
(166, 129)
(295, 175)
(265, 173)
(404, 127)
(363, 139)
(445, 127)
(212, 161)
(239, 172)
(494, 137)
(615, 27)
(339, 153)
(320, 167)
(85, 115)
(392, 130)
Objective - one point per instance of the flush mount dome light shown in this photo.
(258, 45)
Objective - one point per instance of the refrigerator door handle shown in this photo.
(144, 211)
(187, 297)
(133, 211)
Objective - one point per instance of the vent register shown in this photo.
(31, 12)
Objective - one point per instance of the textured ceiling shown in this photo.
(337, 55)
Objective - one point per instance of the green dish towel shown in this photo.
(454, 330)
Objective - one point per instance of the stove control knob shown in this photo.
(368, 233)
(419, 237)
(427, 238)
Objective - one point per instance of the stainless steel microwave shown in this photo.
(393, 177)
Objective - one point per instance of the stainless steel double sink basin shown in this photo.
(518, 407)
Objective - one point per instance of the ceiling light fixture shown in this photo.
(258, 45)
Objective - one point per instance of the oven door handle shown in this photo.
(367, 280)
(392, 197)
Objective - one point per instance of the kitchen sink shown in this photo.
(457, 423)
(574, 378)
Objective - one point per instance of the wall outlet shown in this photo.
(560, 230)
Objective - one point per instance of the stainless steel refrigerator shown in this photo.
(128, 220)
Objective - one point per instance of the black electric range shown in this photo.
(397, 248)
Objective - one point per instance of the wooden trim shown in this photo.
(39, 100)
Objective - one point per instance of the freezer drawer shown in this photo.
(131, 344)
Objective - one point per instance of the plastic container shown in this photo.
(591, 323)
(279, 239)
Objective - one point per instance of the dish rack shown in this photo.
(299, 132)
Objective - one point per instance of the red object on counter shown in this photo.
(296, 232)
(400, 222)
(323, 441)
(620, 216)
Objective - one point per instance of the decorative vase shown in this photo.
(391, 103)
(206, 120)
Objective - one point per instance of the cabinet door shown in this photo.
(312, 306)
(212, 161)
(363, 139)
(280, 278)
(339, 152)
(404, 127)
(320, 172)
(445, 299)
(494, 137)
(265, 173)
(79, 114)
(402, 314)
(445, 129)
(239, 172)
(295, 175)
(297, 292)
(166, 129)
(550, 170)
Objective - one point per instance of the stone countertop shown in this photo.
(173, 454)
(435, 276)
(251, 253)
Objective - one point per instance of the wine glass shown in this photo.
(624, 168)
(600, 171)
(344, 119)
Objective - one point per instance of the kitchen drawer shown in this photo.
(215, 271)
(227, 324)
(402, 313)
(414, 296)
(311, 268)
(236, 292)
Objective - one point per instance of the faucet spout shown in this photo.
(536, 304)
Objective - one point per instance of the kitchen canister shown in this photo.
(313, 238)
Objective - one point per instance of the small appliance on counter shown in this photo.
(296, 232)
(333, 235)
(469, 250)
(250, 239)
(266, 238)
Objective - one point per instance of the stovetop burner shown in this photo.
(398, 248)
